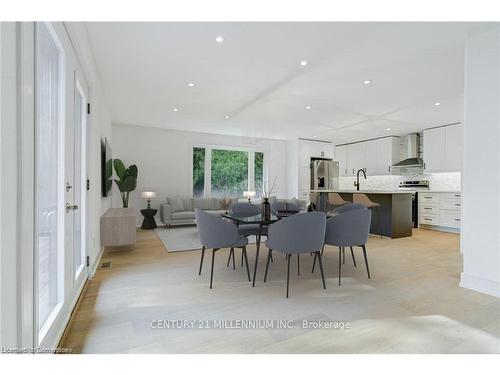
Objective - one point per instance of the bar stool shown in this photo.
(335, 199)
(374, 206)
(313, 200)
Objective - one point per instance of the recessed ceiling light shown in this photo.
(219, 39)
(388, 129)
(191, 84)
(226, 116)
(303, 63)
(308, 107)
(175, 109)
(367, 81)
(437, 104)
(315, 136)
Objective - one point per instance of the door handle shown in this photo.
(70, 207)
(68, 186)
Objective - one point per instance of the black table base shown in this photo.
(149, 218)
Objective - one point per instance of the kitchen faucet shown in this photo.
(356, 183)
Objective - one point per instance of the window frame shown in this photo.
(207, 191)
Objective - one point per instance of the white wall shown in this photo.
(164, 160)
(480, 232)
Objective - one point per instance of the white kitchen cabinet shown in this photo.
(312, 149)
(341, 157)
(439, 211)
(387, 151)
(443, 148)
(356, 157)
(371, 159)
(434, 144)
(376, 156)
(453, 148)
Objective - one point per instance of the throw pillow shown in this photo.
(175, 203)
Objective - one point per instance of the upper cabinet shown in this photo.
(341, 157)
(375, 157)
(313, 149)
(443, 149)
(453, 148)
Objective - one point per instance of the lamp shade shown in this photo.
(148, 194)
(249, 194)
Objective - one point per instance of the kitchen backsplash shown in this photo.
(438, 181)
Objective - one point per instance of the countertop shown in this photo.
(385, 191)
(365, 191)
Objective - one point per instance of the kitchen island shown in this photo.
(392, 219)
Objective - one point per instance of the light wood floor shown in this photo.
(412, 303)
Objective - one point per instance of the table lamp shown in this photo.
(148, 195)
(249, 194)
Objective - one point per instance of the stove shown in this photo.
(416, 186)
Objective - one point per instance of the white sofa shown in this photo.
(178, 210)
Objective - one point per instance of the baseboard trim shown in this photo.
(70, 319)
(479, 284)
(93, 269)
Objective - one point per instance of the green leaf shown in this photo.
(119, 168)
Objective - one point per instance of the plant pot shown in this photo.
(266, 209)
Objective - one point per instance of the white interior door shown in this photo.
(75, 187)
(61, 175)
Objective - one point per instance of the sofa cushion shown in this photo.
(203, 203)
(183, 215)
(187, 203)
(175, 203)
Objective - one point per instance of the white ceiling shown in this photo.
(255, 77)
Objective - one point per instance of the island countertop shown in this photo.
(365, 191)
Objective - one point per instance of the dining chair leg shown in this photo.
(343, 255)
(298, 264)
(320, 262)
(234, 267)
(244, 254)
(340, 262)
(201, 261)
(288, 275)
(231, 253)
(256, 261)
(366, 260)
(353, 258)
(323, 249)
(314, 261)
(269, 256)
(212, 270)
(241, 259)
(272, 260)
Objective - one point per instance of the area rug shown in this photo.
(183, 238)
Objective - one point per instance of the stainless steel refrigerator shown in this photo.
(324, 174)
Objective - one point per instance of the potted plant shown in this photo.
(127, 179)
(266, 206)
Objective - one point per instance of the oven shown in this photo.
(414, 186)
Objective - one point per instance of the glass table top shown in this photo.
(257, 219)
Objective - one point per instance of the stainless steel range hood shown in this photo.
(412, 153)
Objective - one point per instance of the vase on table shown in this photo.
(266, 209)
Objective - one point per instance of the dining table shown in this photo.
(261, 221)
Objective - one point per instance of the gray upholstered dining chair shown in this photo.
(216, 233)
(351, 229)
(300, 233)
(345, 208)
(246, 209)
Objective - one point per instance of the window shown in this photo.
(229, 173)
(48, 160)
(198, 171)
(259, 173)
(219, 172)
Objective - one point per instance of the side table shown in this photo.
(149, 218)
